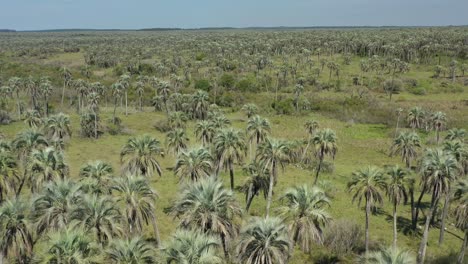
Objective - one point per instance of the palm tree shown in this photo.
(204, 130)
(177, 119)
(138, 199)
(139, 156)
(257, 181)
(8, 173)
(67, 76)
(272, 154)
(98, 215)
(264, 241)
(298, 90)
(164, 89)
(390, 256)
(33, 118)
(311, 127)
(398, 112)
(45, 165)
(415, 117)
(194, 164)
(117, 89)
(456, 134)
(176, 141)
(406, 145)
(397, 192)
(191, 246)
(438, 121)
(131, 251)
(71, 246)
(258, 128)
(52, 207)
(16, 239)
(93, 103)
(325, 142)
(124, 80)
(461, 214)
(205, 205)
(59, 126)
(229, 147)
(304, 209)
(15, 84)
(46, 90)
(140, 90)
(95, 177)
(368, 184)
(200, 104)
(218, 121)
(250, 110)
(440, 170)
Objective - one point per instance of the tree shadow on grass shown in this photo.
(447, 259)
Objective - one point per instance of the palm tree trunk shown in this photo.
(95, 125)
(249, 198)
(270, 188)
(126, 103)
(461, 256)
(63, 93)
(156, 231)
(418, 206)
(444, 216)
(367, 226)
(437, 135)
(318, 170)
(413, 207)
(231, 175)
(115, 108)
(423, 245)
(397, 125)
(394, 224)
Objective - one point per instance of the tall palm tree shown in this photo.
(207, 206)
(258, 128)
(124, 80)
(406, 144)
(311, 127)
(8, 174)
(459, 150)
(390, 256)
(117, 90)
(200, 104)
(138, 156)
(204, 131)
(440, 169)
(397, 192)
(71, 245)
(298, 90)
(250, 110)
(257, 181)
(368, 184)
(28, 140)
(59, 126)
(95, 177)
(461, 214)
(45, 89)
(194, 164)
(191, 246)
(218, 121)
(176, 141)
(229, 147)
(264, 241)
(98, 215)
(415, 117)
(163, 90)
(131, 251)
(53, 205)
(15, 83)
(140, 90)
(272, 154)
(67, 77)
(93, 103)
(438, 121)
(16, 237)
(45, 165)
(304, 209)
(398, 112)
(325, 142)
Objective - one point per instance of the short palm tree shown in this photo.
(256, 182)
(176, 141)
(325, 142)
(250, 110)
(16, 236)
(460, 151)
(59, 126)
(139, 156)
(192, 246)
(45, 165)
(95, 177)
(194, 164)
(390, 256)
(440, 169)
(461, 214)
(406, 145)
(207, 206)
(264, 241)
(368, 184)
(8, 174)
(131, 251)
(71, 246)
(304, 208)
(397, 192)
(204, 131)
(272, 154)
(258, 128)
(438, 121)
(218, 121)
(229, 148)
(28, 140)
(138, 199)
(177, 119)
(33, 119)
(415, 117)
(53, 205)
(456, 134)
(200, 104)
(98, 215)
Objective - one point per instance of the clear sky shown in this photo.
(134, 14)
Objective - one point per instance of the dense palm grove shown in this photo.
(107, 214)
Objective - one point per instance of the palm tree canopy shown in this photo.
(325, 142)
(131, 251)
(258, 128)
(229, 146)
(390, 256)
(368, 184)
(194, 164)
(139, 155)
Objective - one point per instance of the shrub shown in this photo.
(227, 81)
(284, 107)
(203, 84)
(162, 126)
(5, 118)
(343, 237)
(418, 91)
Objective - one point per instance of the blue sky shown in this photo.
(133, 14)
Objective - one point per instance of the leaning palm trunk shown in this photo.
(423, 245)
(418, 206)
(156, 231)
(318, 170)
(461, 256)
(250, 197)
(444, 216)
(270, 188)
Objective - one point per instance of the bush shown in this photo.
(343, 237)
(284, 107)
(418, 91)
(227, 81)
(203, 84)
(162, 126)
(5, 118)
